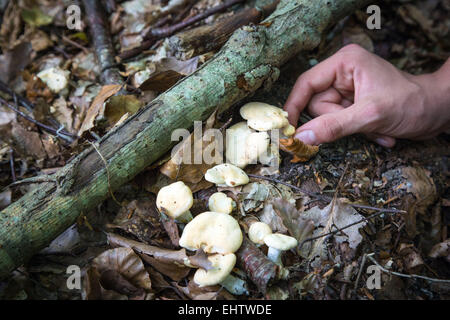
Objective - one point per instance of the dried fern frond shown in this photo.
(302, 152)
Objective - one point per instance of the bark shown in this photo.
(101, 39)
(211, 37)
(249, 60)
(256, 265)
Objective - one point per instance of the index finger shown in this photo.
(317, 79)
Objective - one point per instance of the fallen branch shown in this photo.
(211, 37)
(159, 33)
(250, 59)
(101, 39)
(410, 276)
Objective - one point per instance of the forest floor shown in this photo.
(412, 177)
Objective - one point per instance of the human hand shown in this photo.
(355, 91)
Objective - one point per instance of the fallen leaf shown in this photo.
(35, 17)
(12, 62)
(118, 106)
(336, 215)
(96, 107)
(126, 262)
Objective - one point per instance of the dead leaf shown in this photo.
(200, 260)
(298, 226)
(118, 106)
(302, 152)
(186, 150)
(113, 280)
(96, 107)
(12, 62)
(125, 262)
(174, 271)
(335, 216)
(441, 250)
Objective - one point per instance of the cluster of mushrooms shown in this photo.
(216, 232)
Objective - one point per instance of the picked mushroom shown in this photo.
(55, 78)
(214, 232)
(258, 231)
(226, 175)
(175, 200)
(220, 202)
(244, 145)
(222, 265)
(264, 117)
(278, 243)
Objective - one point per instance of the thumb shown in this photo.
(331, 126)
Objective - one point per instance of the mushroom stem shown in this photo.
(235, 285)
(274, 255)
(185, 217)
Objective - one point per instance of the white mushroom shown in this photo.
(214, 232)
(258, 231)
(175, 200)
(222, 265)
(220, 202)
(263, 117)
(278, 243)
(55, 78)
(244, 145)
(225, 175)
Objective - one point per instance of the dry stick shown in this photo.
(57, 132)
(101, 38)
(155, 34)
(411, 276)
(11, 164)
(324, 198)
(27, 105)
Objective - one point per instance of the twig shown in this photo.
(343, 228)
(74, 43)
(411, 276)
(56, 132)
(11, 164)
(101, 38)
(28, 105)
(322, 197)
(363, 262)
(158, 33)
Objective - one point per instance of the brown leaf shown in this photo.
(161, 254)
(192, 174)
(298, 226)
(302, 152)
(14, 61)
(113, 280)
(171, 228)
(125, 262)
(200, 260)
(97, 105)
(174, 271)
(140, 218)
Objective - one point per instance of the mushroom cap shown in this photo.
(222, 267)
(244, 145)
(220, 202)
(258, 231)
(280, 241)
(174, 199)
(55, 78)
(263, 117)
(214, 232)
(289, 130)
(226, 175)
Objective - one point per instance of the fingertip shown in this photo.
(385, 141)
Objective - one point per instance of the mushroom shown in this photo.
(244, 145)
(226, 175)
(214, 232)
(222, 265)
(278, 243)
(55, 78)
(175, 200)
(264, 117)
(220, 202)
(258, 231)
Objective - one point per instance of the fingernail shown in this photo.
(307, 137)
(383, 142)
